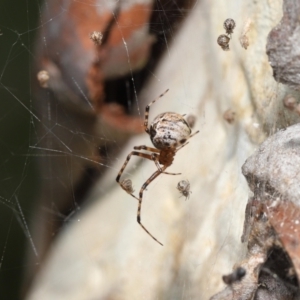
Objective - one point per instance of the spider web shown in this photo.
(23, 145)
(20, 139)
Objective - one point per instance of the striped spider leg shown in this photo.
(154, 157)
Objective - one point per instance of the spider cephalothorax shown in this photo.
(166, 156)
(168, 132)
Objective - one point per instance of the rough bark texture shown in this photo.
(271, 227)
(283, 46)
(104, 254)
(275, 165)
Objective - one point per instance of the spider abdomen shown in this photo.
(169, 130)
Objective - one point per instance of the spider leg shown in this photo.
(193, 134)
(135, 197)
(139, 220)
(147, 109)
(171, 173)
(155, 159)
(136, 153)
(146, 148)
(180, 147)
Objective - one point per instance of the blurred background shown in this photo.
(30, 42)
(19, 180)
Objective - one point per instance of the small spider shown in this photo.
(229, 25)
(126, 185)
(183, 187)
(169, 133)
(223, 40)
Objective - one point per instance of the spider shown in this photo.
(169, 133)
(229, 25)
(126, 185)
(223, 40)
(183, 187)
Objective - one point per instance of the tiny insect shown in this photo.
(169, 132)
(236, 275)
(126, 184)
(96, 37)
(223, 40)
(183, 187)
(229, 25)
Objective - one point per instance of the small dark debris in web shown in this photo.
(236, 275)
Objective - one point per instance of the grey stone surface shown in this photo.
(283, 46)
(275, 164)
